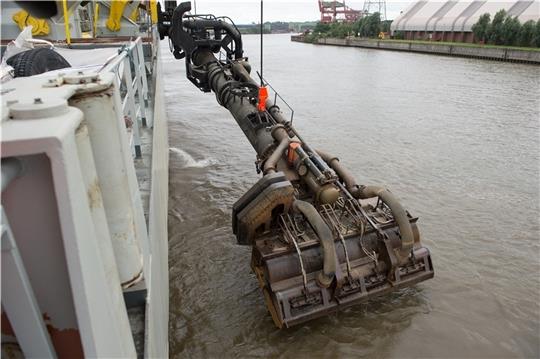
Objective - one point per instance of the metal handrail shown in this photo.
(130, 70)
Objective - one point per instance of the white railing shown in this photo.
(130, 70)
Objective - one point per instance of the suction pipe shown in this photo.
(324, 233)
(363, 192)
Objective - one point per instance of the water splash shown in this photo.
(187, 160)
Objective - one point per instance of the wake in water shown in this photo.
(188, 161)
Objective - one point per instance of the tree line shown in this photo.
(506, 30)
(367, 26)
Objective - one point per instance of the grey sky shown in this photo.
(248, 11)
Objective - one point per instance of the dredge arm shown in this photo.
(319, 240)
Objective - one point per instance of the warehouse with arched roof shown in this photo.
(453, 20)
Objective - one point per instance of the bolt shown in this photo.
(38, 100)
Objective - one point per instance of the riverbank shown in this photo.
(508, 54)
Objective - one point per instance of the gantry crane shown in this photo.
(332, 11)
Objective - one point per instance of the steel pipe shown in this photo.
(363, 192)
(399, 213)
(342, 172)
(324, 278)
(282, 137)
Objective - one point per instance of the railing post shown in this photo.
(140, 76)
(142, 66)
(129, 101)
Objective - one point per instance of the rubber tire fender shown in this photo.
(36, 61)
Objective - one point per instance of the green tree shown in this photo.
(526, 34)
(343, 29)
(495, 30)
(369, 26)
(373, 26)
(536, 39)
(511, 28)
(480, 29)
(321, 28)
(358, 26)
(385, 25)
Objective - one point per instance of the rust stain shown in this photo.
(82, 129)
(138, 277)
(6, 325)
(66, 342)
(79, 97)
(94, 195)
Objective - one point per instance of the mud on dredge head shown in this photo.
(319, 240)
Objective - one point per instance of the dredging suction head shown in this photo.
(311, 260)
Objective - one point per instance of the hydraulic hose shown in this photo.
(324, 233)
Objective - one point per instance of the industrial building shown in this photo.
(453, 20)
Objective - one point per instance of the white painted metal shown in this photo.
(135, 196)
(133, 109)
(31, 206)
(19, 301)
(118, 182)
(134, 101)
(95, 300)
(131, 112)
(103, 237)
(157, 315)
(85, 159)
(141, 74)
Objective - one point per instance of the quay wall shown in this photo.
(489, 53)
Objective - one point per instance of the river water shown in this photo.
(457, 140)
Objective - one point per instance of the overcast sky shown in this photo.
(248, 11)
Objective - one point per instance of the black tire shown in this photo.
(36, 61)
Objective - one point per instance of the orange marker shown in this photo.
(291, 155)
(263, 95)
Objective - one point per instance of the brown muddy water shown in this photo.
(457, 140)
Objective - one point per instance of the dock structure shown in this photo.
(498, 53)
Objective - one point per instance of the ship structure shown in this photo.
(84, 181)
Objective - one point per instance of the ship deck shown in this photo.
(147, 301)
